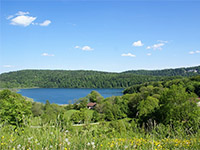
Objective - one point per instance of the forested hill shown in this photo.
(190, 71)
(87, 79)
(71, 79)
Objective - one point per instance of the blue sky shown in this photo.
(104, 35)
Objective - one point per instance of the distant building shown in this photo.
(198, 103)
(193, 70)
(91, 105)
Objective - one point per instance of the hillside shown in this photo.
(88, 79)
(190, 71)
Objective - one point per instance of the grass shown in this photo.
(88, 137)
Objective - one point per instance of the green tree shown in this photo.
(14, 109)
(94, 96)
(177, 107)
(147, 106)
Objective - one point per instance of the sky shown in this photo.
(111, 36)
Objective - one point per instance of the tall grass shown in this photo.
(117, 135)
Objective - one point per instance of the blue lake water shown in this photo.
(63, 95)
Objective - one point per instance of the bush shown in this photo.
(14, 109)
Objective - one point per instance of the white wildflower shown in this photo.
(66, 140)
(88, 143)
(18, 146)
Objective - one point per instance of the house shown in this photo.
(198, 103)
(91, 105)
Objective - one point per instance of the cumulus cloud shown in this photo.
(84, 48)
(156, 46)
(77, 47)
(46, 54)
(129, 55)
(25, 19)
(148, 47)
(138, 43)
(22, 20)
(194, 52)
(45, 23)
(87, 48)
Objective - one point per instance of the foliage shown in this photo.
(72, 79)
(168, 72)
(94, 96)
(179, 107)
(14, 109)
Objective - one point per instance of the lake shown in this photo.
(64, 95)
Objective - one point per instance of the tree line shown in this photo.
(89, 79)
(72, 79)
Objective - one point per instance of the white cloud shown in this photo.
(8, 66)
(194, 52)
(138, 43)
(46, 54)
(156, 46)
(45, 23)
(77, 47)
(149, 54)
(148, 47)
(84, 48)
(129, 55)
(191, 52)
(87, 48)
(22, 20)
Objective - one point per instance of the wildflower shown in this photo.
(2, 137)
(30, 138)
(66, 131)
(18, 146)
(125, 146)
(36, 141)
(66, 140)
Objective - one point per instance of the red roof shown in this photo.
(91, 104)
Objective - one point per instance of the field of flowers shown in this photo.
(88, 137)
